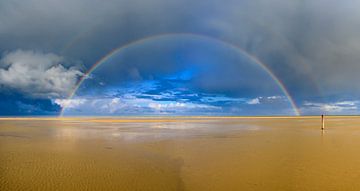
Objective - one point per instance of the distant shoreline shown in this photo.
(166, 118)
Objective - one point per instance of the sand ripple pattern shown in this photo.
(179, 154)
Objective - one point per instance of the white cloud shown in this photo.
(254, 101)
(268, 99)
(345, 107)
(69, 103)
(37, 74)
(128, 104)
(347, 103)
(179, 106)
(275, 97)
(212, 99)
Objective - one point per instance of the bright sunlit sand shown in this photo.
(180, 153)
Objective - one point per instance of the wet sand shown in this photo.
(197, 153)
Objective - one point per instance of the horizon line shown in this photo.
(3, 118)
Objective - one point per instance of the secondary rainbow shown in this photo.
(154, 37)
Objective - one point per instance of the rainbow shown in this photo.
(158, 37)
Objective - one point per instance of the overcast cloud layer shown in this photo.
(311, 45)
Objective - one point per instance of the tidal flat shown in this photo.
(180, 153)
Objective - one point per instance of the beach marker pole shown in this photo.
(323, 122)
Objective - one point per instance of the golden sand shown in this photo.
(180, 153)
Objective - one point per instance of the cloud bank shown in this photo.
(130, 105)
(334, 108)
(39, 75)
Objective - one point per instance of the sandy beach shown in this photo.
(180, 153)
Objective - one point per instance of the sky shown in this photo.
(166, 57)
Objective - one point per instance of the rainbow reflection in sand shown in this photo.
(180, 153)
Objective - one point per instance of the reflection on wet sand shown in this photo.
(195, 153)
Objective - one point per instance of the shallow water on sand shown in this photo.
(180, 154)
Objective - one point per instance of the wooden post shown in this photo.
(322, 122)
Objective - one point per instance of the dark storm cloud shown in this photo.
(307, 43)
(304, 42)
(311, 45)
(99, 24)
